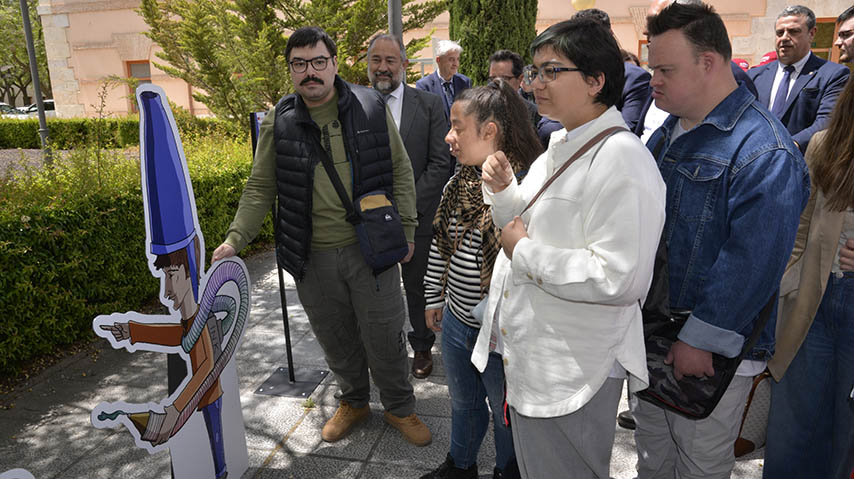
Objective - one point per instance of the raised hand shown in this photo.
(496, 172)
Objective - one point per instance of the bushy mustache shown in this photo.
(310, 79)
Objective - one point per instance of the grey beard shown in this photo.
(384, 86)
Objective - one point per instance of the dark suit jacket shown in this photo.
(635, 93)
(737, 72)
(433, 84)
(811, 98)
(423, 126)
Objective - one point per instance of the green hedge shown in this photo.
(67, 133)
(72, 241)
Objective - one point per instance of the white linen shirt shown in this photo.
(568, 302)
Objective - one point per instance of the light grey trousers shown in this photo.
(577, 445)
(673, 446)
(358, 321)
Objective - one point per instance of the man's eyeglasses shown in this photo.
(299, 65)
(546, 74)
(503, 77)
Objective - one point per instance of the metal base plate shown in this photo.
(279, 383)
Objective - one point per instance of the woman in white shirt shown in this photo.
(465, 243)
(566, 290)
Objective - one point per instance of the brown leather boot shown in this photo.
(337, 427)
(411, 427)
(422, 364)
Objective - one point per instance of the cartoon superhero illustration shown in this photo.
(208, 327)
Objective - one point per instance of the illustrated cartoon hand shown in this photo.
(121, 331)
(222, 251)
(433, 319)
(511, 234)
(846, 256)
(409, 254)
(168, 423)
(496, 172)
(689, 361)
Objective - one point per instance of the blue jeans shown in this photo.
(213, 421)
(811, 421)
(469, 391)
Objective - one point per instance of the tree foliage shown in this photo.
(15, 75)
(484, 26)
(233, 50)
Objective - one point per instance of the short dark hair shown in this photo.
(308, 37)
(509, 56)
(701, 25)
(180, 257)
(844, 16)
(799, 11)
(600, 16)
(592, 48)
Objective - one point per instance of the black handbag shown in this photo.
(377, 222)
(691, 397)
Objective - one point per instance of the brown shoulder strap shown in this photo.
(603, 135)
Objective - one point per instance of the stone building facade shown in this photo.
(90, 40)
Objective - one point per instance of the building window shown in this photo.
(141, 71)
(825, 35)
(643, 53)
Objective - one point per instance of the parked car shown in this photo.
(7, 110)
(32, 111)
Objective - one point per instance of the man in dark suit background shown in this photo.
(636, 87)
(422, 123)
(799, 87)
(445, 81)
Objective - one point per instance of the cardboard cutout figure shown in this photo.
(210, 313)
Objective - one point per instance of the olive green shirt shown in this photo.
(330, 229)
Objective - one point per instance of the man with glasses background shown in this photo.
(508, 65)
(357, 317)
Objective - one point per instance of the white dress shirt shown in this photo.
(394, 100)
(778, 77)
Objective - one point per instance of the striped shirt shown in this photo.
(462, 289)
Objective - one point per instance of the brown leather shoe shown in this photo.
(411, 427)
(337, 427)
(422, 364)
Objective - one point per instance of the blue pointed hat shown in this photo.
(171, 216)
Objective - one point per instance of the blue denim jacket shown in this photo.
(736, 186)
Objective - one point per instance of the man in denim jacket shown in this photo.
(736, 185)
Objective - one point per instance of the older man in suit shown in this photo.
(445, 81)
(421, 119)
(799, 87)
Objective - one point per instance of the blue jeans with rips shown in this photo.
(811, 421)
(469, 390)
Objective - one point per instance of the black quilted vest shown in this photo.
(362, 114)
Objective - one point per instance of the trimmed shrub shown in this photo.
(72, 240)
(67, 133)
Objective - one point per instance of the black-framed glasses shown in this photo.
(299, 65)
(503, 77)
(546, 74)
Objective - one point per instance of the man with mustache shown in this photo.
(356, 315)
(420, 117)
(799, 87)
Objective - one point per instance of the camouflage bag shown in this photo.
(692, 397)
